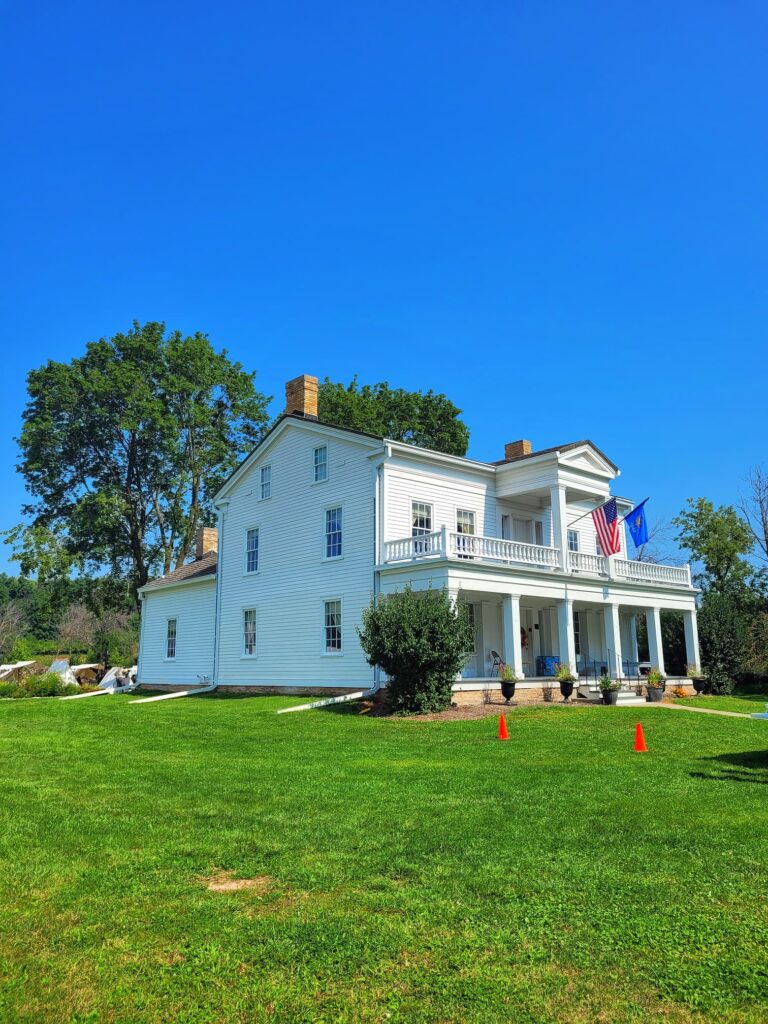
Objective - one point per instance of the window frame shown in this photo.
(246, 570)
(268, 482)
(316, 465)
(421, 547)
(327, 534)
(168, 638)
(574, 534)
(334, 652)
(244, 653)
(576, 634)
(463, 533)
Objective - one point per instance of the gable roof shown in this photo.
(558, 448)
(197, 570)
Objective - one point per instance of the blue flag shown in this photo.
(637, 525)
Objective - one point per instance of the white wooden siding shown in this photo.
(294, 576)
(193, 607)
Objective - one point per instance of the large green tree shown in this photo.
(415, 417)
(123, 447)
(720, 540)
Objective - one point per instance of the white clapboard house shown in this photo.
(317, 519)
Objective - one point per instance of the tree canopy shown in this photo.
(720, 540)
(421, 418)
(124, 447)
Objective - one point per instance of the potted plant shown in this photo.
(654, 684)
(566, 679)
(698, 680)
(508, 681)
(609, 689)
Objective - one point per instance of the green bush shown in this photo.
(46, 685)
(422, 641)
(722, 638)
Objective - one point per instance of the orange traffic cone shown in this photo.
(503, 734)
(640, 746)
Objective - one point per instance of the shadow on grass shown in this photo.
(748, 766)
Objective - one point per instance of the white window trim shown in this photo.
(244, 656)
(175, 620)
(326, 557)
(473, 513)
(577, 535)
(261, 482)
(246, 570)
(323, 652)
(325, 479)
(430, 505)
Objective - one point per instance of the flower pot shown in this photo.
(655, 693)
(566, 689)
(610, 696)
(699, 682)
(507, 690)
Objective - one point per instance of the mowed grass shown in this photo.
(404, 871)
(743, 703)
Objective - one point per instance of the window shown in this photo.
(321, 463)
(252, 550)
(598, 545)
(332, 627)
(249, 632)
(333, 533)
(576, 633)
(573, 540)
(465, 524)
(421, 524)
(266, 482)
(170, 639)
(538, 532)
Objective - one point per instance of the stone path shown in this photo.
(703, 711)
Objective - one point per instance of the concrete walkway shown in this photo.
(701, 711)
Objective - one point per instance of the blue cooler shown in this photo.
(546, 665)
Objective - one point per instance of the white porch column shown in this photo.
(634, 654)
(613, 640)
(567, 653)
(559, 523)
(691, 638)
(655, 649)
(510, 626)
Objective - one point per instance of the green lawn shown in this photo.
(745, 703)
(408, 871)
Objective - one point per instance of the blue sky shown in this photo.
(555, 213)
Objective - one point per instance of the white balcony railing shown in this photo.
(594, 565)
(649, 572)
(447, 543)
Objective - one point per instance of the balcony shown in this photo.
(450, 544)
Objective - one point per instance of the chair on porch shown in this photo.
(498, 663)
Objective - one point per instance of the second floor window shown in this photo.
(321, 464)
(421, 523)
(170, 639)
(573, 540)
(252, 550)
(266, 482)
(333, 533)
(465, 525)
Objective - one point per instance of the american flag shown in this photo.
(606, 520)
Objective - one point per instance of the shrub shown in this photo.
(722, 638)
(48, 684)
(680, 691)
(422, 641)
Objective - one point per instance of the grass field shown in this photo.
(745, 703)
(399, 870)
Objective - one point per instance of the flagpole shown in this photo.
(589, 513)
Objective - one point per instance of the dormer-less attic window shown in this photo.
(321, 463)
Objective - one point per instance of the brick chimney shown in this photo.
(301, 396)
(206, 540)
(515, 449)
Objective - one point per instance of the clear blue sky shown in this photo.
(555, 213)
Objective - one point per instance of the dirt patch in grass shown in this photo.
(455, 713)
(224, 881)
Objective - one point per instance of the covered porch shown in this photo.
(533, 635)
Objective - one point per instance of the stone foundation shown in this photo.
(258, 691)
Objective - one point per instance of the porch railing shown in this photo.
(649, 572)
(595, 565)
(452, 544)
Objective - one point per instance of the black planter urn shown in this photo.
(699, 682)
(566, 689)
(610, 696)
(507, 690)
(655, 693)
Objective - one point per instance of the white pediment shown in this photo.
(587, 459)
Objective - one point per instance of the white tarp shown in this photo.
(7, 670)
